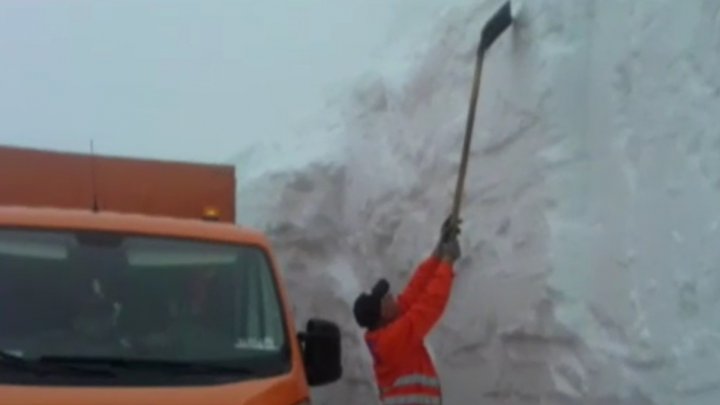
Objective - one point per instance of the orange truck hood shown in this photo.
(276, 391)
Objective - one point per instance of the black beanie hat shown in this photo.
(367, 306)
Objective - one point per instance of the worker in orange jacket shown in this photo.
(396, 329)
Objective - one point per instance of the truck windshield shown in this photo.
(151, 301)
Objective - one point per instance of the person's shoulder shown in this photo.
(385, 333)
(377, 335)
(373, 334)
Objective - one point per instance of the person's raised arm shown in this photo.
(413, 326)
(418, 282)
(424, 272)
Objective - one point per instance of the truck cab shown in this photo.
(109, 300)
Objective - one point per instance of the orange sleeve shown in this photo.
(418, 282)
(414, 325)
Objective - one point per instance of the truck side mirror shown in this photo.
(321, 352)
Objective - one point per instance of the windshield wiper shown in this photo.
(39, 367)
(150, 364)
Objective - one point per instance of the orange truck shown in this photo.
(127, 281)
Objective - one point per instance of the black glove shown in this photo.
(448, 231)
(450, 250)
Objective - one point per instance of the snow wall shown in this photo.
(590, 271)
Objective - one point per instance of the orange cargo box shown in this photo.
(35, 178)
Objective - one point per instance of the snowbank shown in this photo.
(591, 221)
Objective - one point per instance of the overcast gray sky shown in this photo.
(180, 79)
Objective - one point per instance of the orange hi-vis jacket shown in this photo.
(403, 368)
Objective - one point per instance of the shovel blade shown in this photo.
(498, 23)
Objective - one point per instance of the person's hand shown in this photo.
(450, 250)
(449, 230)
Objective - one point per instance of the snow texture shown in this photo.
(590, 271)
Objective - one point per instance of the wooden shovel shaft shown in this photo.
(459, 187)
(498, 23)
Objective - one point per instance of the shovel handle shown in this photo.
(459, 186)
(498, 23)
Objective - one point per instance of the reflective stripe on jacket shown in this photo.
(403, 368)
(413, 389)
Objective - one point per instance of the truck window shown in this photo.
(102, 295)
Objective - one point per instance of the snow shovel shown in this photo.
(498, 23)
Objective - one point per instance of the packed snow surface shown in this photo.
(591, 218)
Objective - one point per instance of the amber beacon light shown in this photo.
(211, 214)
